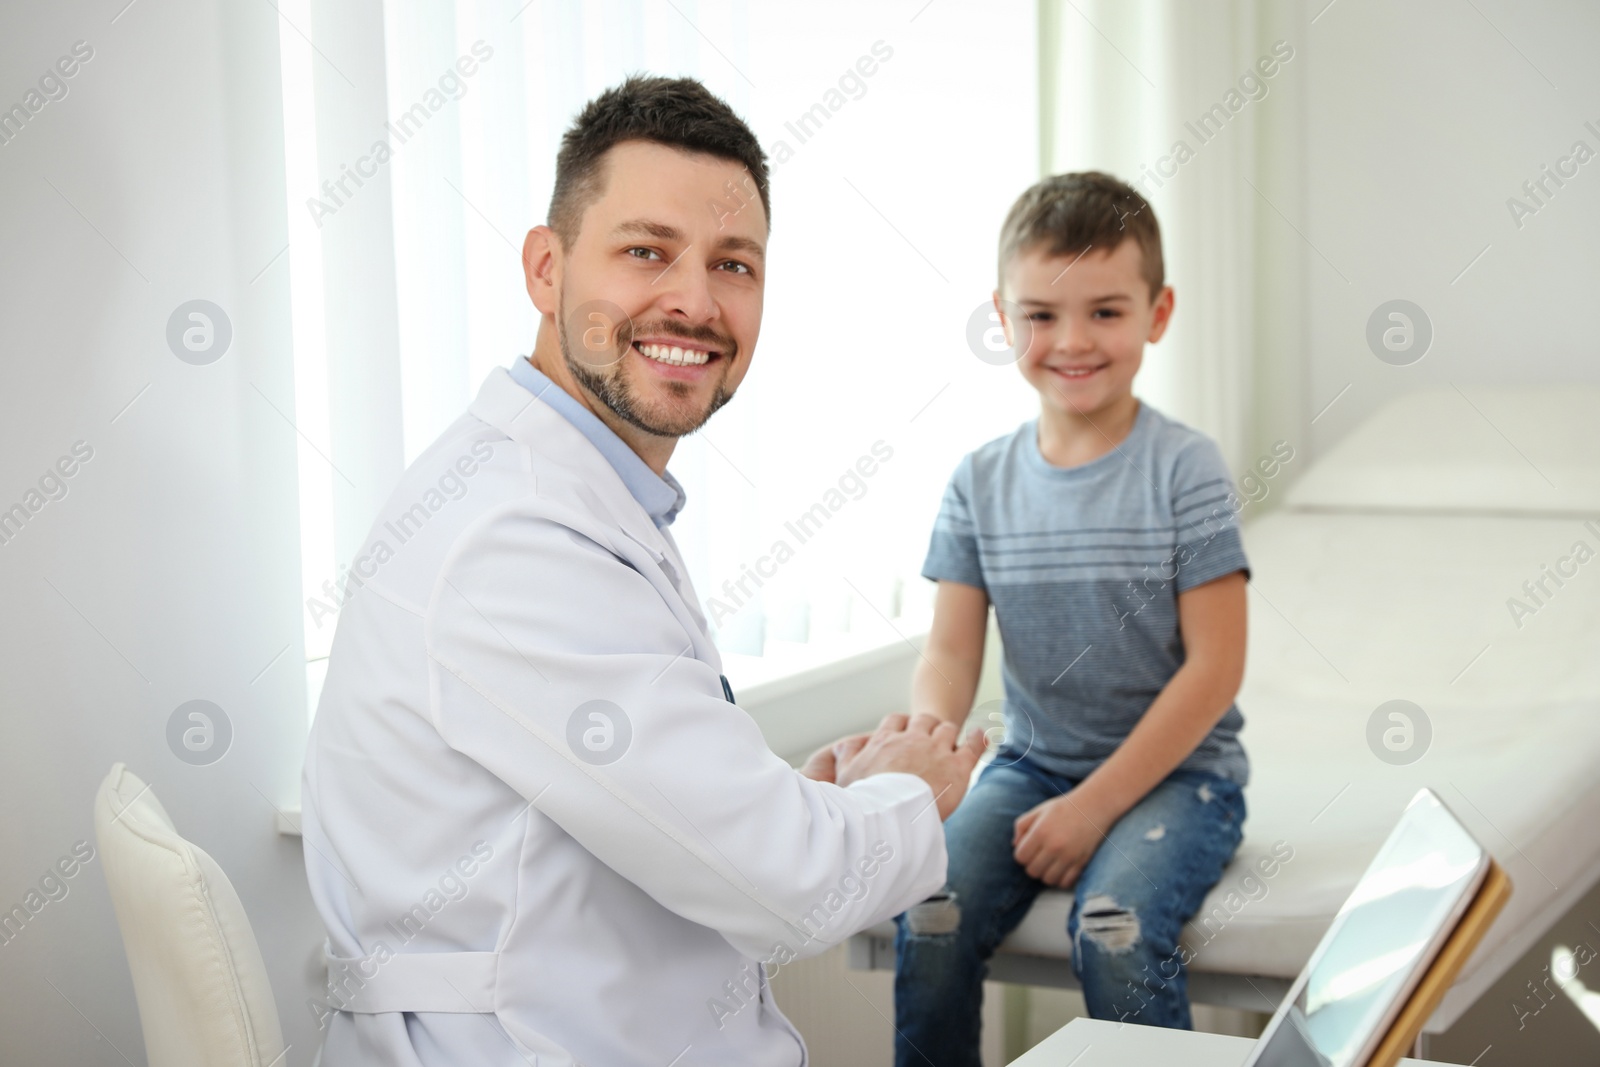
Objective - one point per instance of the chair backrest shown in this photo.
(204, 998)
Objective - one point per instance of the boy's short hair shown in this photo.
(678, 112)
(1069, 214)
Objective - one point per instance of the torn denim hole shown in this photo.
(1110, 926)
(1206, 795)
(1156, 832)
(939, 914)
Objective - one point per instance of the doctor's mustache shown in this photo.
(705, 335)
(600, 333)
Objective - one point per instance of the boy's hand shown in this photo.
(1054, 841)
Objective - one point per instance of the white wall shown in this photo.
(1422, 119)
(169, 571)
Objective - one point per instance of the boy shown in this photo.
(1104, 535)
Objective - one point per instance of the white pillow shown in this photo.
(1476, 448)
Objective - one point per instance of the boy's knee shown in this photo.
(1111, 926)
(939, 915)
(1126, 964)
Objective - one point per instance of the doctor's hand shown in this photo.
(1054, 841)
(823, 764)
(924, 746)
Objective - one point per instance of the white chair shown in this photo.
(204, 998)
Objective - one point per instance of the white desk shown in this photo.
(1092, 1043)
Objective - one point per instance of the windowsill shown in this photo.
(790, 667)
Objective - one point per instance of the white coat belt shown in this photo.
(460, 982)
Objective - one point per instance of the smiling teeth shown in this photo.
(678, 357)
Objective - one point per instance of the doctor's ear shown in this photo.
(540, 250)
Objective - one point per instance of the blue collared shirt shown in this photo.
(659, 494)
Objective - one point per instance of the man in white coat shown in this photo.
(536, 825)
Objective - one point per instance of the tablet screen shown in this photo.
(1380, 943)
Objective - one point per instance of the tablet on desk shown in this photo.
(1381, 943)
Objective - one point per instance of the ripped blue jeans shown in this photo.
(1146, 879)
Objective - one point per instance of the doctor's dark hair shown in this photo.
(1068, 214)
(677, 112)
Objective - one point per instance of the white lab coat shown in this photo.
(475, 860)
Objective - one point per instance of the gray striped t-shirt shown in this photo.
(1084, 566)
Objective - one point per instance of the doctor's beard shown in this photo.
(609, 384)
